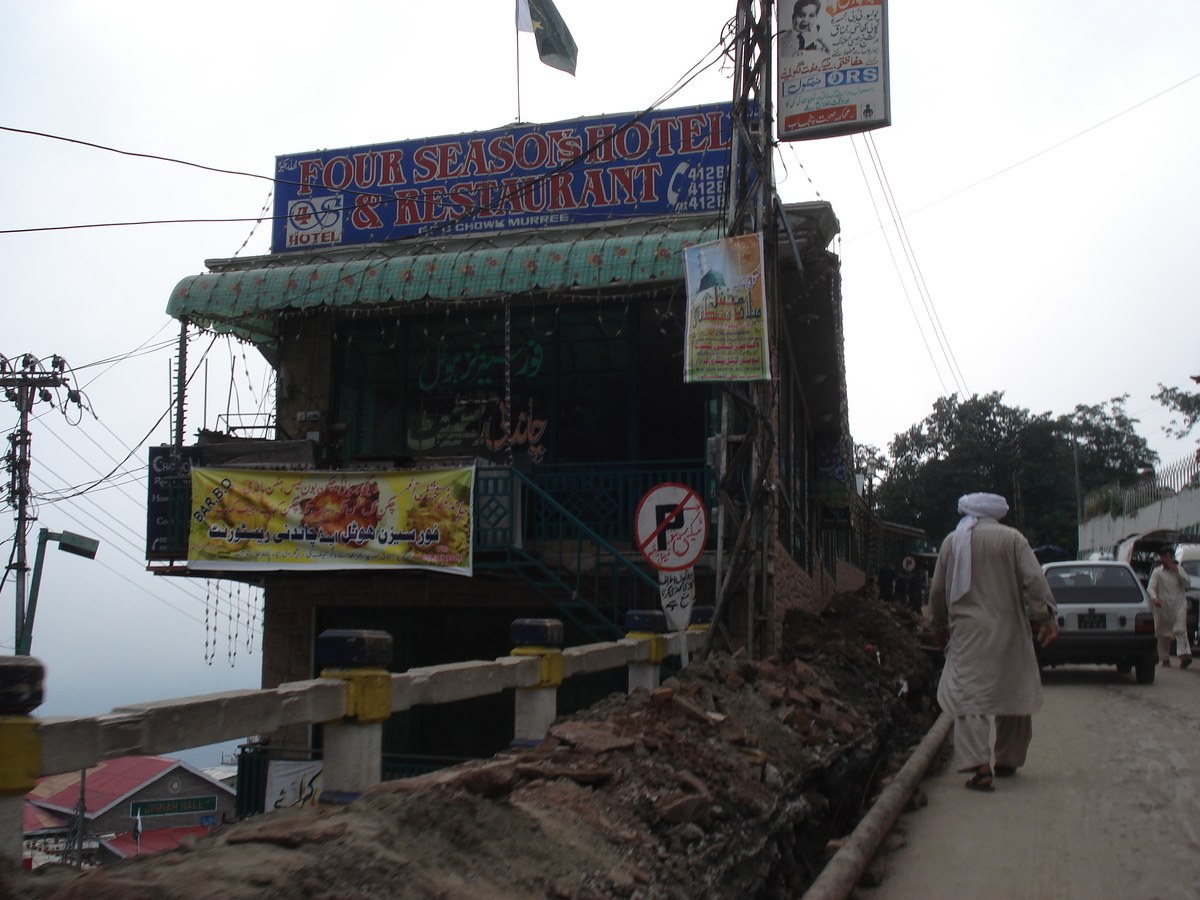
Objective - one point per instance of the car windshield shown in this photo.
(1093, 584)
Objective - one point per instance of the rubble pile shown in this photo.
(727, 782)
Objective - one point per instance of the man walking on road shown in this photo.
(987, 586)
(1168, 592)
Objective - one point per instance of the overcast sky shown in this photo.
(1042, 160)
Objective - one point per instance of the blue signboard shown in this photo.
(582, 171)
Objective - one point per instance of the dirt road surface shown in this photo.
(1106, 808)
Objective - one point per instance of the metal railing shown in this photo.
(605, 496)
(1117, 501)
(521, 527)
(567, 530)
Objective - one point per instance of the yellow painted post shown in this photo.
(647, 625)
(353, 750)
(536, 707)
(21, 679)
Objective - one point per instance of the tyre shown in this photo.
(1145, 671)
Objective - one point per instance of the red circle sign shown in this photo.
(671, 527)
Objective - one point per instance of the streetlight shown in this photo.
(67, 541)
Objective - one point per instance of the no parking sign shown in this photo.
(671, 527)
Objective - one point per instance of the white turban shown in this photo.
(973, 507)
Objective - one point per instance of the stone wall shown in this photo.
(794, 588)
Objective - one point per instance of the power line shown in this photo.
(896, 265)
(914, 268)
(1046, 150)
(139, 538)
(83, 489)
(721, 48)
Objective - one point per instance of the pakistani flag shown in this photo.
(555, 45)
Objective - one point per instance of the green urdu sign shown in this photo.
(172, 807)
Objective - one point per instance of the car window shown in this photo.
(1093, 584)
(1192, 567)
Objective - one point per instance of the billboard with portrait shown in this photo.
(833, 68)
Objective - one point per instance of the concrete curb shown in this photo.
(842, 873)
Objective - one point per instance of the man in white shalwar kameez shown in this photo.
(987, 586)
(1168, 589)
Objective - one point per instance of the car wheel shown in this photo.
(1146, 670)
(1124, 668)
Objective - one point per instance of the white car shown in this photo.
(1104, 618)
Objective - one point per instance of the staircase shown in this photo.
(521, 528)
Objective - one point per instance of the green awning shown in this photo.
(248, 301)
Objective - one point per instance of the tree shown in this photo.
(1110, 449)
(981, 444)
(1184, 403)
(863, 453)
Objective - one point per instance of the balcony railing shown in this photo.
(520, 526)
(566, 529)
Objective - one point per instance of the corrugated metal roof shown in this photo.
(107, 783)
(248, 301)
(34, 818)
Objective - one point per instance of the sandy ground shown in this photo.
(1106, 808)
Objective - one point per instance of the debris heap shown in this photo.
(728, 782)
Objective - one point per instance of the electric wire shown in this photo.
(896, 265)
(910, 257)
(133, 478)
(82, 489)
(721, 49)
(1052, 147)
(918, 273)
(113, 525)
(115, 541)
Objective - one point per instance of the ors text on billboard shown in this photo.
(833, 68)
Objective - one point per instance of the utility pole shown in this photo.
(27, 380)
(745, 507)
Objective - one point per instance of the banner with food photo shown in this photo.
(276, 520)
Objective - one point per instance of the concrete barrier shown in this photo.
(72, 743)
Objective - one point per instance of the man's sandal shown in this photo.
(1006, 771)
(981, 781)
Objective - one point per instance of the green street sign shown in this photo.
(172, 807)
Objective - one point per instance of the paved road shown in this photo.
(1107, 807)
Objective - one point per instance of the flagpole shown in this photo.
(517, 35)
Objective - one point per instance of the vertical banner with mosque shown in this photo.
(726, 336)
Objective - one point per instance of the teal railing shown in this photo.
(605, 496)
(520, 527)
(559, 530)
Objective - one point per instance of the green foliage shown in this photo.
(981, 444)
(863, 453)
(1184, 403)
(1105, 504)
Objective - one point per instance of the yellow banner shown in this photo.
(270, 520)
